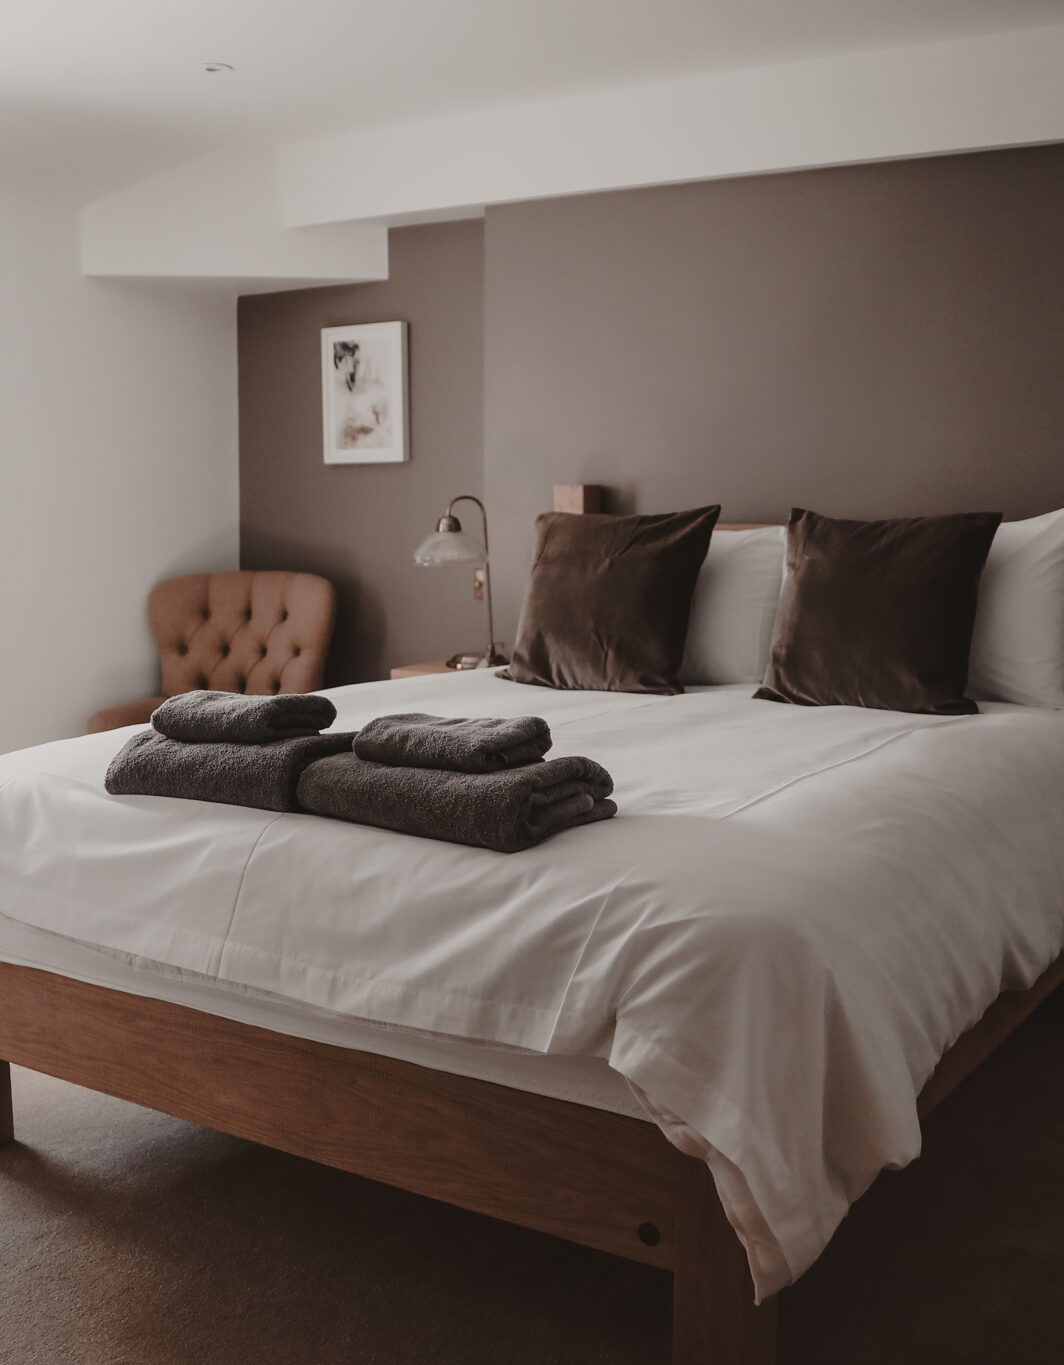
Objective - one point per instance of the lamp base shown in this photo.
(464, 661)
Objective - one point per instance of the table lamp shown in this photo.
(450, 546)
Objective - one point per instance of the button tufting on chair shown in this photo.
(191, 657)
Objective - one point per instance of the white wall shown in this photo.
(216, 217)
(118, 467)
(969, 94)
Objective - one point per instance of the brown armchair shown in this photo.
(240, 631)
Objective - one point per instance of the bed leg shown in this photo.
(714, 1321)
(7, 1121)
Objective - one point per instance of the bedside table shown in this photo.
(415, 670)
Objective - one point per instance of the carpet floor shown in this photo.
(130, 1238)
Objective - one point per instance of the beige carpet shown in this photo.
(128, 1238)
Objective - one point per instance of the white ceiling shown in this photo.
(95, 94)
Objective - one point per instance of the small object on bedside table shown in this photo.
(449, 545)
(578, 497)
(416, 670)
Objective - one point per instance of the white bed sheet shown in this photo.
(793, 916)
(580, 1080)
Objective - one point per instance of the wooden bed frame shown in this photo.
(593, 1177)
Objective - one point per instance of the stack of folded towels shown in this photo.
(482, 782)
(222, 746)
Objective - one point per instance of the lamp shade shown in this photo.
(444, 548)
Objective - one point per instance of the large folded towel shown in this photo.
(261, 775)
(465, 746)
(506, 811)
(205, 717)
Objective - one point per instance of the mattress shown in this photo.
(796, 911)
(580, 1080)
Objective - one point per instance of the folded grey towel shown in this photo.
(261, 775)
(505, 811)
(465, 746)
(204, 717)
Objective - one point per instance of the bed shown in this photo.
(691, 1036)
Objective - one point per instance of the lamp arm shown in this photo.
(493, 654)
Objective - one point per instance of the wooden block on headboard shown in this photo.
(578, 497)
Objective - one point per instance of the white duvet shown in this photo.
(794, 914)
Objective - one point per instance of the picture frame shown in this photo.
(364, 396)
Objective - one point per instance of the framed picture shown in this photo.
(363, 393)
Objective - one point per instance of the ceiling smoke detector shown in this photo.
(215, 68)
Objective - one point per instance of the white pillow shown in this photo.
(1018, 641)
(734, 607)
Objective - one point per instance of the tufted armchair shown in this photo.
(240, 631)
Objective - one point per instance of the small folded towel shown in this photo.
(464, 746)
(505, 811)
(204, 717)
(260, 775)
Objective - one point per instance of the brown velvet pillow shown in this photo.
(879, 613)
(609, 600)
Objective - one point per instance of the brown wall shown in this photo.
(360, 524)
(868, 340)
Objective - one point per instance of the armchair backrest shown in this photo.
(259, 632)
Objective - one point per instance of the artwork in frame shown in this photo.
(364, 393)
